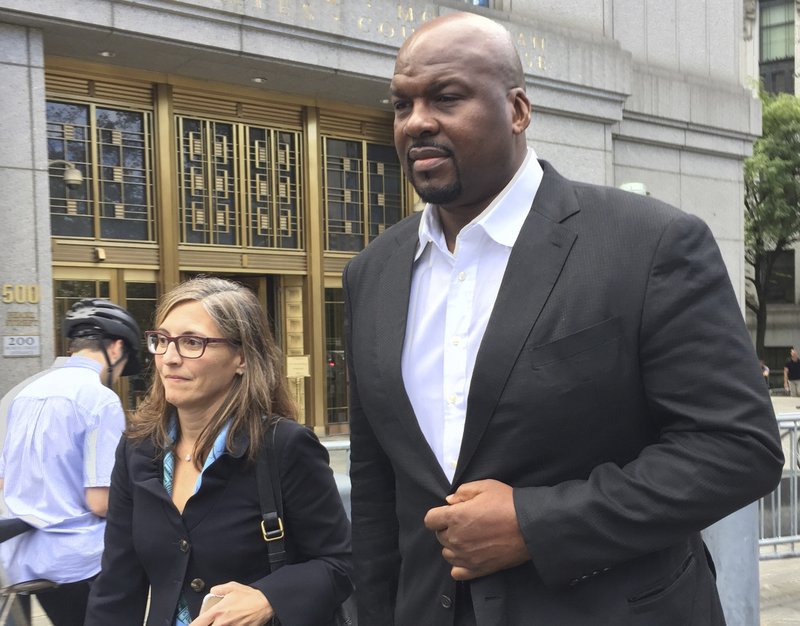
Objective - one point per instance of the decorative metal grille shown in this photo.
(385, 188)
(112, 149)
(362, 196)
(123, 148)
(233, 175)
(273, 171)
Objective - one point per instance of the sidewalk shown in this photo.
(780, 592)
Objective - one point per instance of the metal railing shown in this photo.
(779, 522)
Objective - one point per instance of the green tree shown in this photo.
(772, 199)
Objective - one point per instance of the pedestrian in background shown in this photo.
(791, 373)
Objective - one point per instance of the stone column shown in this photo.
(733, 543)
(26, 299)
(796, 46)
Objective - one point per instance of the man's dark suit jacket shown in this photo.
(218, 537)
(616, 389)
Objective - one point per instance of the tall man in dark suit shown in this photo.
(538, 430)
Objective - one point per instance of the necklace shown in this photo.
(187, 458)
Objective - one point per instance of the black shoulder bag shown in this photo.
(268, 479)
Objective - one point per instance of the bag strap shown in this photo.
(12, 527)
(269, 495)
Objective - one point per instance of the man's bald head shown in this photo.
(479, 34)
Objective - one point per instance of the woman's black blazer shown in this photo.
(149, 545)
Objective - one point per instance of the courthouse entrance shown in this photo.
(181, 178)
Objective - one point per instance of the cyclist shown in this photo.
(55, 467)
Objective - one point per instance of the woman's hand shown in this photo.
(240, 606)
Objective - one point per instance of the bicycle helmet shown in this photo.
(102, 318)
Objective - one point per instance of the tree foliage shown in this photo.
(772, 198)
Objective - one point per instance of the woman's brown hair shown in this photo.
(261, 391)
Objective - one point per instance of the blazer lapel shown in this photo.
(392, 315)
(533, 269)
(148, 470)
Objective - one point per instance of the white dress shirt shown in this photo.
(452, 297)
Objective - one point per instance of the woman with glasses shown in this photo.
(184, 512)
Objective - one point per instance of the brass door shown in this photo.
(136, 290)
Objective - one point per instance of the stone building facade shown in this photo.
(252, 139)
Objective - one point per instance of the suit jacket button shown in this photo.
(183, 545)
(198, 584)
(446, 601)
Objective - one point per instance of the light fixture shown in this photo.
(259, 80)
(72, 175)
(108, 54)
(638, 188)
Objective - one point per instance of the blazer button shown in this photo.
(446, 601)
(183, 545)
(198, 584)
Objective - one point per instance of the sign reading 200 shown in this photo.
(20, 294)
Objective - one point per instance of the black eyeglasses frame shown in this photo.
(204, 341)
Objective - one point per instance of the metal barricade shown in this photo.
(339, 450)
(779, 525)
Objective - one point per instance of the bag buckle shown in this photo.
(274, 534)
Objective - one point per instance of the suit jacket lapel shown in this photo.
(533, 269)
(392, 315)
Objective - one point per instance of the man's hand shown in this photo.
(478, 530)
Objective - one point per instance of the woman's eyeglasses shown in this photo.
(188, 346)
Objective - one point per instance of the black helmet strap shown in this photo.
(110, 366)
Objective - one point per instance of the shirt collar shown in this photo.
(84, 361)
(217, 450)
(502, 220)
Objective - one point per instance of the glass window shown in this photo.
(140, 301)
(343, 188)
(780, 288)
(122, 175)
(778, 76)
(363, 192)
(68, 132)
(335, 365)
(234, 174)
(777, 30)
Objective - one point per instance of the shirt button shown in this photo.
(446, 601)
(462, 276)
(456, 340)
(183, 545)
(198, 584)
(451, 399)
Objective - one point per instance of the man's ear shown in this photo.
(119, 348)
(521, 110)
